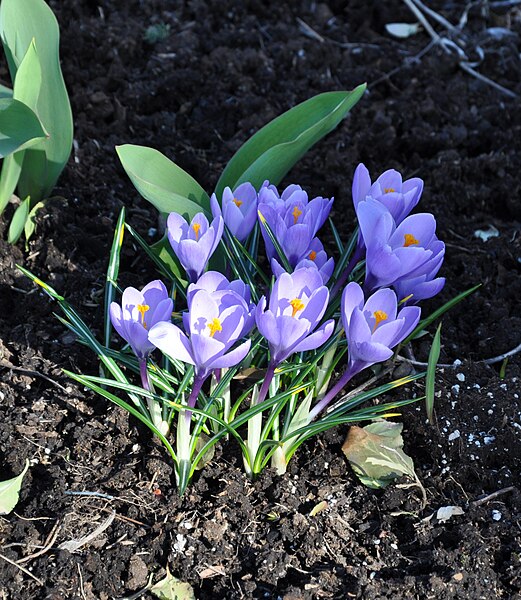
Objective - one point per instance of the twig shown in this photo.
(485, 361)
(493, 495)
(82, 590)
(96, 494)
(466, 67)
(30, 373)
(11, 562)
(359, 389)
(447, 45)
(51, 538)
(73, 545)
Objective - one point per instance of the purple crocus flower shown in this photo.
(239, 209)
(373, 328)
(314, 258)
(214, 282)
(399, 197)
(395, 253)
(194, 243)
(293, 219)
(214, 322)
(411, 291)
(138, 313)
(296, 306)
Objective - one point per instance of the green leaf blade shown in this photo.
(21, 22)
(273, 150)
(162, 182)
(10, 491)
(19, 127)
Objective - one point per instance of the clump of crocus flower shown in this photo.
(310, 322)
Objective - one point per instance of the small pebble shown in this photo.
(454, 435)
(460, 377)
(496, 515)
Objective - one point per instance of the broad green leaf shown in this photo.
(10, 491)
(171, 588)
(434, 356)
(376, 454)
(162, 182)
(11, 168)
(26, 89)
(19, 126)
(5, 92)
(21, 22)
(273, 150)
(18, 221)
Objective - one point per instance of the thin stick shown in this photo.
(466, 67)
(51, 538)
(493, 495)
(359, 389)
(30, 373)
(95, 494)
(11, 562)
(485, 361)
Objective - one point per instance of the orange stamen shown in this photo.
(214, 327)
(312, 255)
(297, 305)
(389, 190)
(379, 316)
(296, 214)
(410, 240)
(196, 227)
(142, 309)
(237, 202)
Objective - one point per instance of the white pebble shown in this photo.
(460, 377)
(454, 435)
(496, 515)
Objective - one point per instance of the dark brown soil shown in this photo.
(226, 68)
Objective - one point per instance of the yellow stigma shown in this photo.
(410, 240)
(389, 190)
(379, 316)
(312, 255)
(296, 214)
(196, 227)
(237, 202)
(297, 305)
(142, 309)
(214, 327)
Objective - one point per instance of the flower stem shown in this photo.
(255, 423)
(352, 370)
(355, 259)
(154, 408)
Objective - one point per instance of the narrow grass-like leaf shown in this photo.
(424, 323)
(430, 378)
(111, 281)
(162, 182)
(21, 22)
(125, 405)
(85, 333)
(163, 258)
(338, 241)
(273, 150)
(278, 248)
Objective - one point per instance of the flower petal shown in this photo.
(172, 341)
